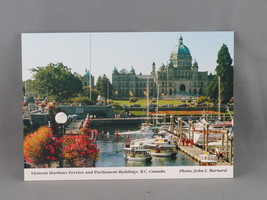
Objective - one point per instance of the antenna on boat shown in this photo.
(219, 98)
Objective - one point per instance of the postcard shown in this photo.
(128, 105)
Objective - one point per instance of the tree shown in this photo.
(86, 92)
(225, 71)
(56, 80)
(104, 87)
(82, 101)
(29, 87)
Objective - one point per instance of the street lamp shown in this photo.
(61, 118)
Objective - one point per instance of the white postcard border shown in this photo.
(112, 173)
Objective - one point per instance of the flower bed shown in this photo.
(79, 150)
(41, 147)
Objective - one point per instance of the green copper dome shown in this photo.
(87, 74)
(115, 71)
(195, 62)
(181, 49)
(162, 67)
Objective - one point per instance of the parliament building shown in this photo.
(179, 77)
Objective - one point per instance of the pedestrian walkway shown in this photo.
(74, 127)
(194, 153)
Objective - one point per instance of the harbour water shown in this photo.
(111, 151)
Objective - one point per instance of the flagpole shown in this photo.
(90, 74)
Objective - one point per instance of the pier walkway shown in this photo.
(104, 121)
(74, 127)
(194, 153)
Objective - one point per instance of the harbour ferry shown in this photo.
(137, 154)
(162, 147)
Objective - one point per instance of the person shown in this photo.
(183, 141)
(116, 135)
(191, 143)
(186, 141)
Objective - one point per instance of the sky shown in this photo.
(103, 51)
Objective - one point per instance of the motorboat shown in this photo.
(207, 159)
(162, 147)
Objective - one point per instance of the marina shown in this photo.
(173, 143)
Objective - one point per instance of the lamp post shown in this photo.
(61, 118)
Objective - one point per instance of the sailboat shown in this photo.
(146, 129)
(215, 128)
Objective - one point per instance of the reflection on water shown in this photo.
(112, 152)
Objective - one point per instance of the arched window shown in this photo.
(182, 88)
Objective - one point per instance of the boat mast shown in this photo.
(147, 98)
(219, 98)
(157, 104)
(90, 74)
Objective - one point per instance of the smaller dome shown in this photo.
(195, 63)
(132, 70)
(162, 67)
(115, 71)
(171, 63)
(87, 74)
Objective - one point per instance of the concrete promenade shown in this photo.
(74, 127)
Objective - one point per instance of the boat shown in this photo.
(164, 150)
(207, 160)
(216, 130)
(137, 154)
(162, 147)
(144, 132)
(221, 124)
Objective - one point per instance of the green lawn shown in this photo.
(193, 113)
(143, 102)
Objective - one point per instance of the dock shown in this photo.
(194, 153)
(115, 121)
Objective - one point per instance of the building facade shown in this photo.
(86, 78)
(180, 76)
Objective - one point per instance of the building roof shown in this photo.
(87, 74)
(145, 77)
(124, 71)
(181, 49)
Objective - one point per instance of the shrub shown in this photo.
(133, 99)
(109, 101)
(82, 100)
(41, 147)
(117, 106)
(202, 99)
(79, 150)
